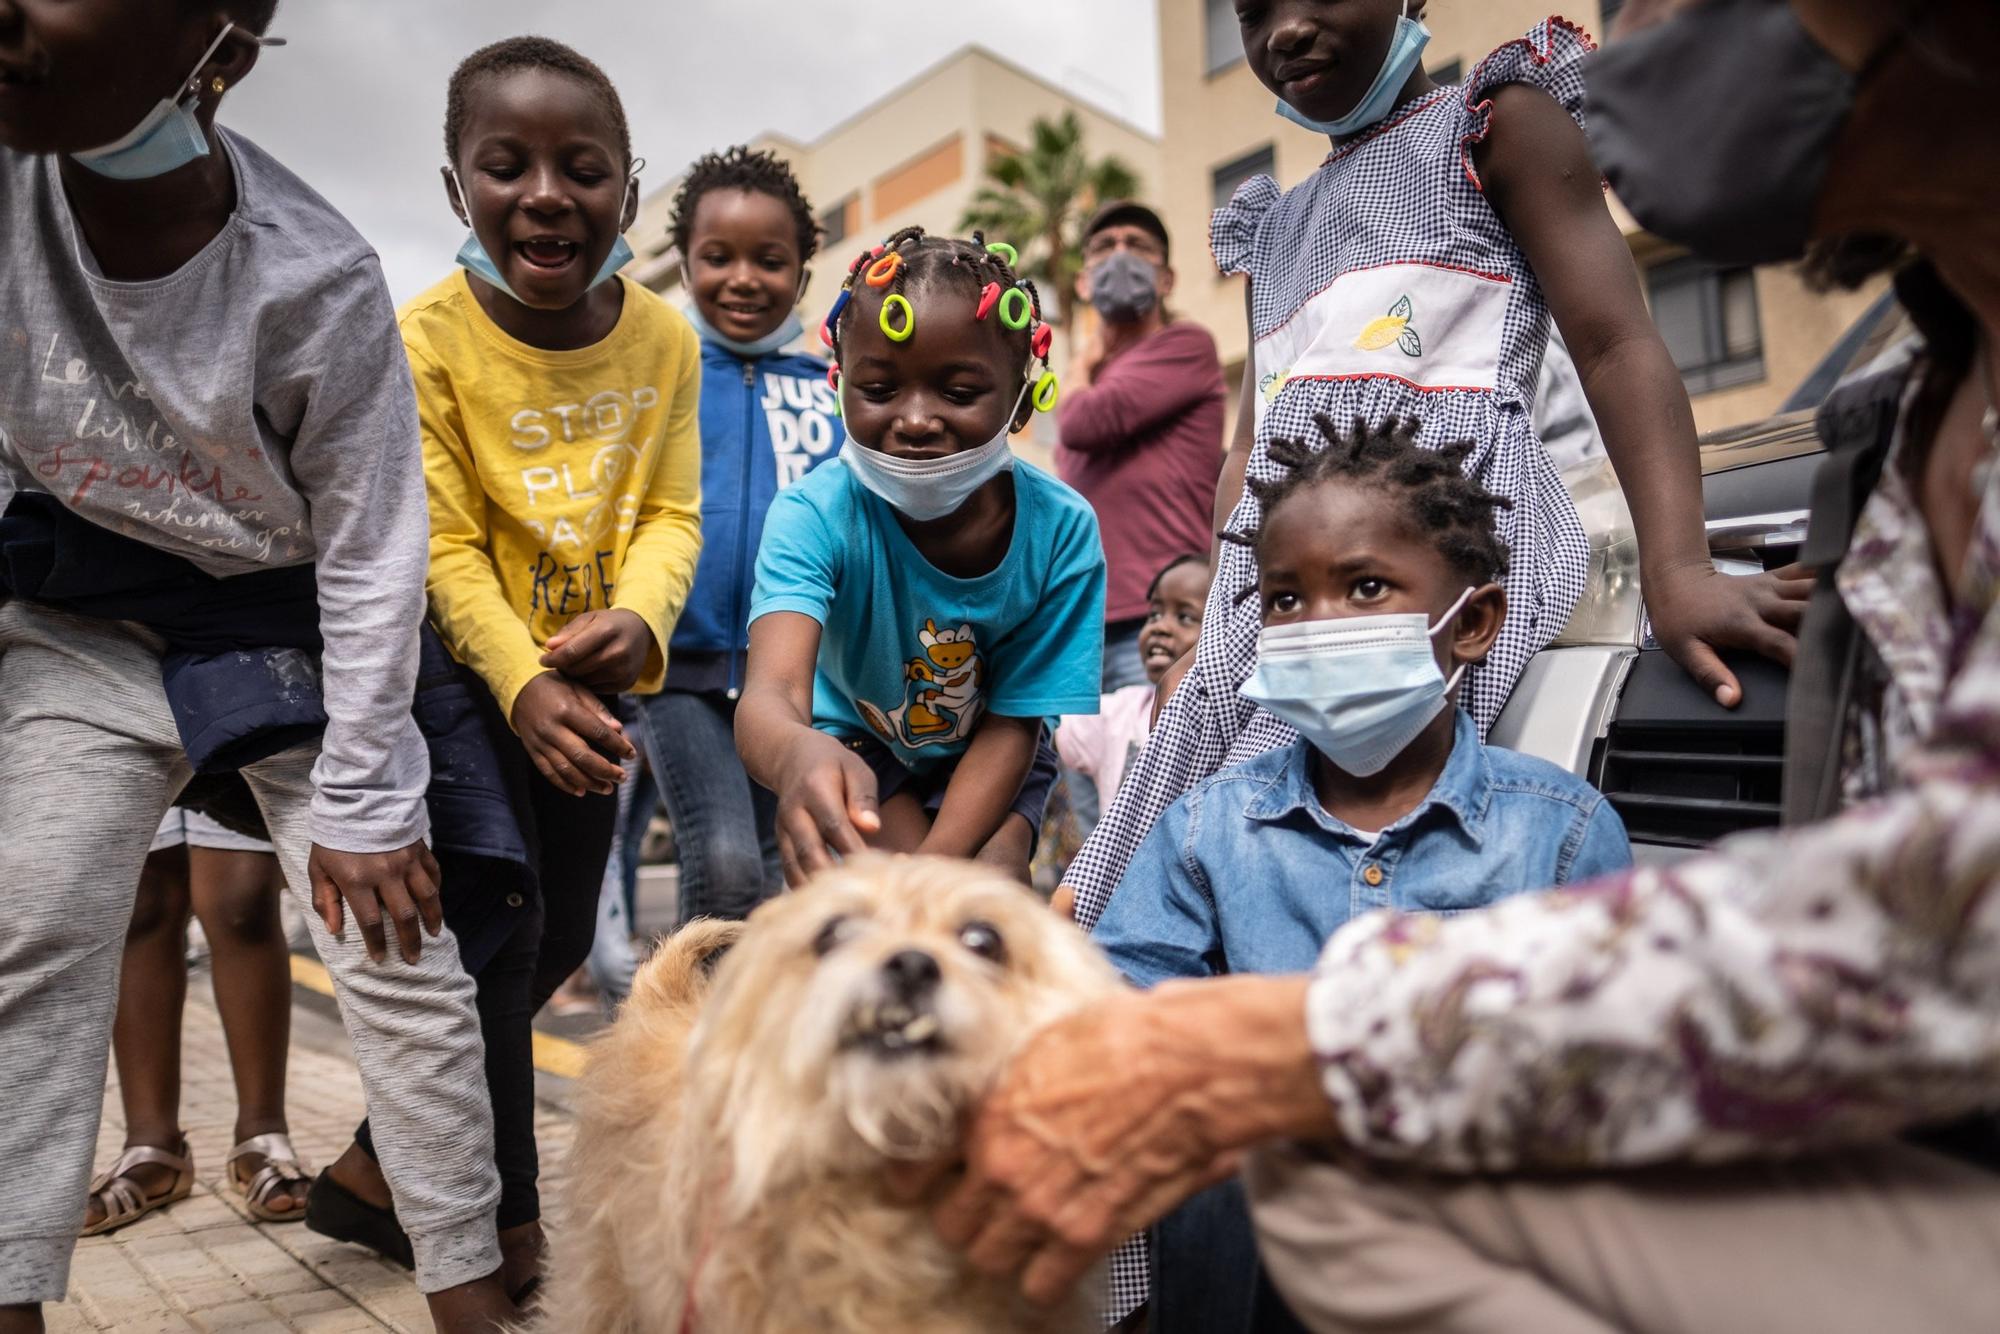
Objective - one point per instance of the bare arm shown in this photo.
(983, 786)
(1539, 176)
(826, 793)
(1229, 487)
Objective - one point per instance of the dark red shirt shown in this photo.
(1144, 446)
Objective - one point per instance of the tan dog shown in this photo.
(726, 1176)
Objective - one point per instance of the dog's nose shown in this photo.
(912, 974)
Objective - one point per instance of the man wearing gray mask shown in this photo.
(1140, 421)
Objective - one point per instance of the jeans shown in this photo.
(1122, 666)
(1206, 1278)
(613, 960)
(724, 824)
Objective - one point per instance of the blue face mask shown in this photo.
(1405, 49)
(1359, 688)
(170, 136)
(750, 351)
(473, 258)
(932, 488)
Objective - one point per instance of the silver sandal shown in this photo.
(122, 1199)
(282, 1171)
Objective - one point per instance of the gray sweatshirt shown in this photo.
(251, 410)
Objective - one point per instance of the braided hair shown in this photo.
(930, 263)
(740, 168)
(1437, 499)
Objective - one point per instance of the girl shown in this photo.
(768, 418)
(1415, 275)
(917, 603)
(558, 405)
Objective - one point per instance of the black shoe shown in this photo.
(332, 1210)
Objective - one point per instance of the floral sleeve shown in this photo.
(1788, 990)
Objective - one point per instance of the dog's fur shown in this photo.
(732, 1132)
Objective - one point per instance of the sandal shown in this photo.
(282, 1172)
(122, 1199)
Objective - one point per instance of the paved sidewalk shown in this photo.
(202, 1264)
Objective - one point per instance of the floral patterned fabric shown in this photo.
(1828, 984)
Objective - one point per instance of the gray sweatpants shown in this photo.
(89, 761)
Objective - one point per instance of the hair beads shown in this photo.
(1047, 390)
(1016, 309)
(826, 330)
(893, 332)
(883, 271)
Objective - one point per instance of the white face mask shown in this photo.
(1359, 688)
(933, 488)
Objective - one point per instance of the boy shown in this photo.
(210, 388)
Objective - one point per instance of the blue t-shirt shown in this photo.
(913, 656)
(1248, 873)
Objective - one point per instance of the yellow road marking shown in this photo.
(553, 1055)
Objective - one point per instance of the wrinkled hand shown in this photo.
(605, 650)
(574, 741)
(1696, 611)
(826, 806)
(1107, 1119)
(399, 886)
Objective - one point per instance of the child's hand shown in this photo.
(569, 736)
(399, 888)
(605, 650)
(1697, 610)
(826, 806)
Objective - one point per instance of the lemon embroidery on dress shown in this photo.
(1273, 384)
(1393, 328)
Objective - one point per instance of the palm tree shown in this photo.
(1038, 200)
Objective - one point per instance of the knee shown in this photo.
(162, 900)
(241, 912)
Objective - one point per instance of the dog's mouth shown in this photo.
(894, 1029)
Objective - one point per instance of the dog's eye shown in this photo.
(831, 936)
(984, 940)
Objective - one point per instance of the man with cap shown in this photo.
(1140, 421)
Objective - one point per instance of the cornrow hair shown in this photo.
(1185, 558)
(740, 168)
(931, 262)
(517, 53)
(1437, 498)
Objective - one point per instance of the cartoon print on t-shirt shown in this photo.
(941, 691)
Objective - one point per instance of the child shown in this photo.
(1101, 746)
(230, 882)
(1378, 584)
(768, 417)
(209, 436)
(1414, 274)
(918, 604)
(558, 404)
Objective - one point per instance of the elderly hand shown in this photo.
(1107, 1119)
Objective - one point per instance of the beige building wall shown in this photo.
(914, 157)
(1214, 118)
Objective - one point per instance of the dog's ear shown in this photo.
(680, 968)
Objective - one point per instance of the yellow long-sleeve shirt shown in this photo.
(560, 482)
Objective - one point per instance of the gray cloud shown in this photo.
(355, 103)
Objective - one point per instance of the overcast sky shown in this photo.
(355, 102)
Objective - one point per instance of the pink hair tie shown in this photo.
(989, 297)
(1044, 338)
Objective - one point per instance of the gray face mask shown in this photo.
(1717, 127)
(1124, 288)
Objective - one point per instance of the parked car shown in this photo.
(1607, 703)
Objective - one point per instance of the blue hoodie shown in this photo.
(764, 424)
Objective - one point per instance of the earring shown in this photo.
(217, 84)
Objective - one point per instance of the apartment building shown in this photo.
(1743, 338)
(913, 157)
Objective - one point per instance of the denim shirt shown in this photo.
(1248, 873)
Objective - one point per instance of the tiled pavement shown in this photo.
(202, 1264)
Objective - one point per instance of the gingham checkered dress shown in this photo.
(1385, 285)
